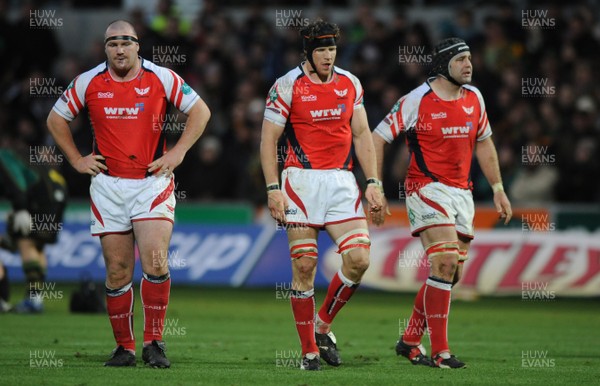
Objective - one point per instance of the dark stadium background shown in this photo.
(231, 53)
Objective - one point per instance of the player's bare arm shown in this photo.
(277, 201)
(198, 117)
(488, 161)
(61, 132)
(379, 143)
(365, 152)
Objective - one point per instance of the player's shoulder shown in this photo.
(160, 71)
(87, 76)
(346, 74)
(412, 100)
(291, 76)
(343, 72)
(473, 90)
(419, 92)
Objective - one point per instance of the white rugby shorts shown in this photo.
(437, 204)
(117, 202)
(321, 197)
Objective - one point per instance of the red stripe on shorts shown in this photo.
(96, 213)
(294, 197)
(162, 197)
(432, 204)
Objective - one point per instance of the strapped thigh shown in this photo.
(462, 256)
(303, 247)
(442, 247)
(356, 238)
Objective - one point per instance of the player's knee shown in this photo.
(118, 274)
(118, 279)
(304, 254)
(157, 270)
(358, 260)
(305, 266)
(444, 258)
(447, 264)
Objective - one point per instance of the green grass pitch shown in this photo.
(247, 337)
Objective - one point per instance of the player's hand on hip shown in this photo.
(503, 206)
(278, 204)
(90, 164)
(166, 164)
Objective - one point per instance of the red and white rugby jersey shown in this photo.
(316, 118)
(440, 134)
(127, 117)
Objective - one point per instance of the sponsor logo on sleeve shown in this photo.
(186, 89)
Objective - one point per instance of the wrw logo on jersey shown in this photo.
(457, 131)
(124, 112)
(328, 114)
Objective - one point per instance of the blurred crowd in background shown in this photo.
(541, 86)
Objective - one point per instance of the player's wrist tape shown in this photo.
(498, 187)
(374, 181)
(272, 187)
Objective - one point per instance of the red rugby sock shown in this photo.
(339, 292)
(303, 307)
(417, 324)
(437, 308)
(119, 304)
(155, 292)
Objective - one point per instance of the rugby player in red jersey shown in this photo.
(132, 188)
(319, 109)
(445, 122)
